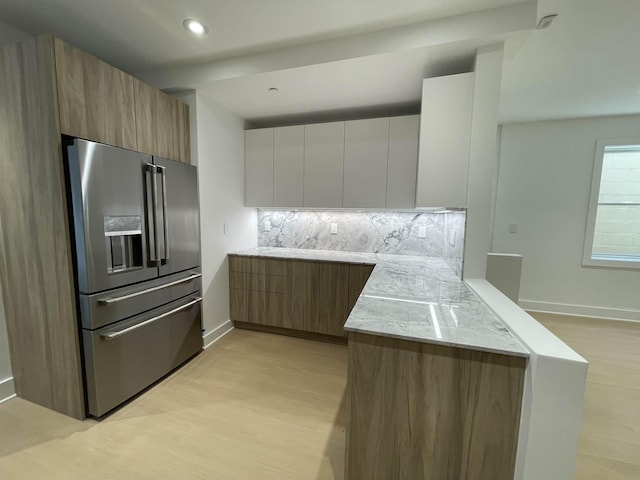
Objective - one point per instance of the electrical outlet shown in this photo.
(422, 231)
(225, 228)
(334, 228)
(267, 225)
(452, 238)
(513, 228)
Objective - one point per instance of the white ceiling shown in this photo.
(146, 34)
(321, 57)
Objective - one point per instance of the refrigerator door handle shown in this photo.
(152, 220)
(111, 300)
(165, 217)
(118, 333)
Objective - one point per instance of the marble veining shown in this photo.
(374, 232)
(415, 298)
(453, 249)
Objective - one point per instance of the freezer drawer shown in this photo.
(102, 309)
(123, 359)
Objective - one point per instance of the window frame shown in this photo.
(596, 178)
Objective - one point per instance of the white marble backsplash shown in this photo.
(453, 250)
(372, 232)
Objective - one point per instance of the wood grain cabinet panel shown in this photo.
(36, 271)
(238, 304)
(96, 100)
(268, 308)
(333, 298)
(162, 123)
(431, 412)
(358, 276)
(305, 279)
(301, 295)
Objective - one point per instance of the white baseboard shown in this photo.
(7, 389)
(216, 334)
(581, 310)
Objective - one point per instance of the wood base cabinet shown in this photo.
(305, 296)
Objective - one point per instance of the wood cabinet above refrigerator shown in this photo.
(98, 102)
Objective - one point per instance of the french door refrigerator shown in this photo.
(137, 263)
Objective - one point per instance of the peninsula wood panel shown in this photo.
(35, 258)
(430, 412)
(333, 298)
(95, 99)
(358, 276)
(161, 123)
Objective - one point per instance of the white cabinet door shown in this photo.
(288, 166)
(445, 129)
(323, 164)
(258, 155)
(403, 161)
(366, 148)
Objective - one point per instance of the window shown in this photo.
(613, 223)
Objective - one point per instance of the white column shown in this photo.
(483, 159)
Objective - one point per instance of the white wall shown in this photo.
(8, 35)
(217, 148)
(543, 186)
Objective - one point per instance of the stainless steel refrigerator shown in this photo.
(137, 262)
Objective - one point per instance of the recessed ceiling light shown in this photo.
(274, 90)
(196, 27)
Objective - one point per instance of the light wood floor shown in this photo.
(261, 406)
(610, 439)
(252, 406)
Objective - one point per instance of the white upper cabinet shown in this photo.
(288, 166)
(367, 163)
(323, 164)
(366, 149)
(403, 161)
(445, 130)
(258, 167)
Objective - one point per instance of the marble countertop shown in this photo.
(414, 298)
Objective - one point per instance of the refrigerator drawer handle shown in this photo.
(117, 333)
(109, 301)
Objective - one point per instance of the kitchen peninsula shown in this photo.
(435, 381)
